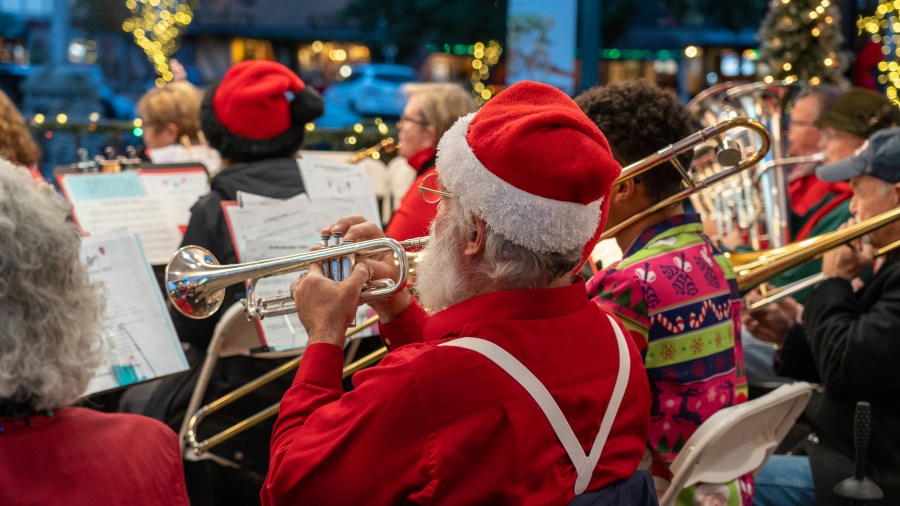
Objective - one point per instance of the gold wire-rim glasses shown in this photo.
(429, 194)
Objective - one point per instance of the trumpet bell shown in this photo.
(191, 294)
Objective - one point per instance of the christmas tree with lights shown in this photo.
(800, 40)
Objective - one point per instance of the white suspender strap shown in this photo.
(584, 464)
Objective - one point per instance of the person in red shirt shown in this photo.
(430, 110)
(50, 345)
(504, 384)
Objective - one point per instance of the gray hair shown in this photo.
(513, 266)
(441, 104)
(51, 312)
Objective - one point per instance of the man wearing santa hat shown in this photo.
(506, 385)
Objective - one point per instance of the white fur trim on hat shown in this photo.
(531, 221)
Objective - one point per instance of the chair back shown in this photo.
(234, 335)
(737, 440)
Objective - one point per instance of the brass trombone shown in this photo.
(755, 268)
(728, 154)
(778, 293)
(199, 447)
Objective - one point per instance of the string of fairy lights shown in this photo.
(483, 58)
(155, 26)
(884, 28)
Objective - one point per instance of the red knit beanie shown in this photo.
(534, 167)
(258, 111)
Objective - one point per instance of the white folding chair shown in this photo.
(234, 335)
(737, 440)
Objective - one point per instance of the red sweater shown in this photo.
(441, 425)
(81, 457)
(414, 215)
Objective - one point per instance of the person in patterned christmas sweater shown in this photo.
(674, 290)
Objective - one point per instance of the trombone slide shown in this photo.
(758, 267)
(802, 284)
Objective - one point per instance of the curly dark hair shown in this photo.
(638, 119)
(16, 143)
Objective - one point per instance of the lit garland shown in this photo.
(799, 41)
(483, 58)
(155, 26)
(884, 28)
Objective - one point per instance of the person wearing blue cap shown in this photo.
(846, 342)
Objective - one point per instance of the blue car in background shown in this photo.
(374, 89)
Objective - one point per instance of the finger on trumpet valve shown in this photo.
(326, 269)
(335, 264)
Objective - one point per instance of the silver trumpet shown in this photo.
(196, 283)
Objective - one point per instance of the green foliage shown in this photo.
(799, 43)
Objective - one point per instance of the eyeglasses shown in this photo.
(407, 119)
(429, 189)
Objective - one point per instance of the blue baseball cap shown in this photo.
(878, 157)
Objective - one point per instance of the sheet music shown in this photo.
(250, 200)
(80, 187)
(291, 223)
(139, 340)
(156, 206)
(177, 189)
(267, 228)
(148, 217)
(340, 187)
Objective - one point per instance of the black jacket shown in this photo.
(850, 343)
(276, 178)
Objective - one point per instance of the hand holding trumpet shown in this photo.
(328, 307)
(381, 265)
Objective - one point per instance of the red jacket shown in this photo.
(414, 215)
(81, 457)
(439, 425)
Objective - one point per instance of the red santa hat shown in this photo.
(258, 111)
(533, 166)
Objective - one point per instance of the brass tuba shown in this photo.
(757, 203)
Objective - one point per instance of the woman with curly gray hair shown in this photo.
(50, 324)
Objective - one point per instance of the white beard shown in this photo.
(441, 280)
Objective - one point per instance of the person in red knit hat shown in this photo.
(255, 117)
(430, 110)
(505, 385)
